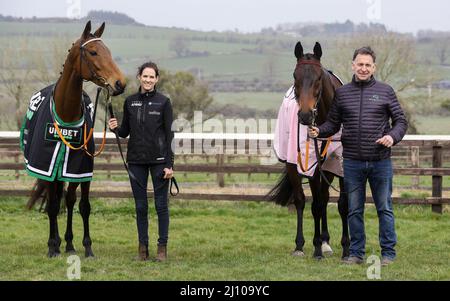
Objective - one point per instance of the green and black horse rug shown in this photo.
(46, 155)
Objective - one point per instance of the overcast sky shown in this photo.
(248, 15)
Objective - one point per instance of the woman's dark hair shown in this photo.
(365, 51)
(148, 65)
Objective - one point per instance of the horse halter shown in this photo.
(314, 111)
(91, 70)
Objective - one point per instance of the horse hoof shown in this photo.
(326, 249)
(298, 253)
(70, 249)
(53, 254)
(89, 254)
(318, 257)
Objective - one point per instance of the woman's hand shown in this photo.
(168, 173)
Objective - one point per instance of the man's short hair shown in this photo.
(366, 50)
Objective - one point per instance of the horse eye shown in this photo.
(293, 74)
(93, 53)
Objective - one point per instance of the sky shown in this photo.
(248, 15)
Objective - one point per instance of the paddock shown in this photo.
(221, 227)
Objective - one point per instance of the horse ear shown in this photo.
(317, 50)
(98, 33)
(298, 50)
(87, 30)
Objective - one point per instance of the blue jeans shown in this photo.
(161, 189)
(379, 174)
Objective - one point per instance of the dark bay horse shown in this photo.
(88, 60)
(314, 90)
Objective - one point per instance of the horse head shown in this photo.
(308, 83)
(93, 62)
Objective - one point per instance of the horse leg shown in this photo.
(85, 211)
(299, 239)
(325, 195)
(316, 209)
(54, 198)
(299, 202)
(343, 212)
(71, 198)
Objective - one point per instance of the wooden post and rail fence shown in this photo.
(253, 151)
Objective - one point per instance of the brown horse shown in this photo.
(314, 89)
(89, 59)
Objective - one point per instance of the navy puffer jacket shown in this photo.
(365, 110)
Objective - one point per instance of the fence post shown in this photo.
(16, 160)
(437, 180)
(220, 175)
(415, 180)
(108, 173)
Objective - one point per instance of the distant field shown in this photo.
(433, 125)
(260, 100)
(133, 45)
(230, 56)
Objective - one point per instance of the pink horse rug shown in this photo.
(285, 141)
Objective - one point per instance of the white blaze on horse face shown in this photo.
(363, 67)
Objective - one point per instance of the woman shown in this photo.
(147, 119)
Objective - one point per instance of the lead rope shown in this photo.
(91, 131)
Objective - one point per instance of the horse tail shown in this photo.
(38, 191)
(281, 194)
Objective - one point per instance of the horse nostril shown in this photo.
(305, 118)
(118, 86)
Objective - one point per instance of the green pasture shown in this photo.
(231, 55)
(260, 100)
(400, 182)
(433, 125)
(212, 240)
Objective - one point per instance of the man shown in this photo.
(364, 107)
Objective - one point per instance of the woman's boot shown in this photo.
(162, 253)
(142, 252)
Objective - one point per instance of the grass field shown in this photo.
(217, 241)
(260, 100)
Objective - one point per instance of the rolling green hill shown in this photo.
(219, 58)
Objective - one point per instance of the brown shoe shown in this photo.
(142, 252)
(161, 255)
(385, 261)
(352, 260)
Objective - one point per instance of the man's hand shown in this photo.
(313, 132)
(387, 141)
(112, 123)
(168, 173)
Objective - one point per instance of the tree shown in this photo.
(180, 45)
(269, 68)
(187, 94)
(443, 49)
(396, 64)
(14, 75)
(46, 70)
